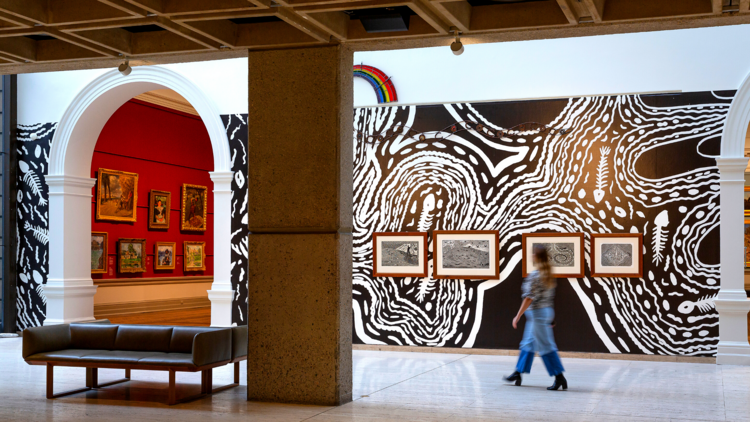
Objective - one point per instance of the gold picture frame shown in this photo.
(158, 214)
(193, 208)
(164, 255)
(99, 255)
(192, 253)
(116, 195)
(131, 260)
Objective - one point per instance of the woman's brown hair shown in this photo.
(543, 265)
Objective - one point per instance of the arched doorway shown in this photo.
(732, 302)
(69, 289)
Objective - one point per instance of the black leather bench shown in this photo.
(140, 347)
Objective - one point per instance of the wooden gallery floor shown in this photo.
(399, 386)
(191, 317)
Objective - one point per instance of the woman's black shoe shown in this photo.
(560, 381)
(515, 376)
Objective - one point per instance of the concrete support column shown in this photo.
(300, 220)
(732, 302)
(69, 289)
(221, 292)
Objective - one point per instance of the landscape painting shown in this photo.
(131, 255)
(400, 254)
(98, 252)
(195, 256)
(466, 254)
(565, 252)
(193, 213)
(617, 255)
(116, 195)
(164, 255)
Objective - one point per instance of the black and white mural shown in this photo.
(34, 142)
(236, 125)
(640, 164)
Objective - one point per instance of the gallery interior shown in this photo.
(324, 210)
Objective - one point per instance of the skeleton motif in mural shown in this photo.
(601, 177)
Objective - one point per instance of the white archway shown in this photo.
(732, 302)
(70, 289)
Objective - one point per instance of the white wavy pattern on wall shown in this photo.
(584, 181)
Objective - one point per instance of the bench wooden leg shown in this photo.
(127, 373)
(172, 389)
(237, 373)
(235, 384)
(92, 377)
(50, 385)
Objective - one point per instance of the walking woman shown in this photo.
(538, 292)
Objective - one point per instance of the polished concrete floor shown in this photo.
(403, 387)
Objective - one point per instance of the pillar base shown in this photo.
(69, 304)
(733, 307)
(221, 307)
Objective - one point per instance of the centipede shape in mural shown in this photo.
(600, 175)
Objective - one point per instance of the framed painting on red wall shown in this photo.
(131, 255)
(164, 254)
(195, 256)
(116, 195)
(98, 252)
(194, 208)
(159, 204)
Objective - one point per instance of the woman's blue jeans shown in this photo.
(538, 337)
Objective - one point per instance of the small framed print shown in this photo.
(159, 203)
(565, 253)
(471, 254)
(131, 255)
(164, 255)
(617, 255)
(99, 252)
(195, 256)
(399, 254)
(116, 195)
(194, 207)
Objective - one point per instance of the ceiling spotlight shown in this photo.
(125, 68)
(457, 47)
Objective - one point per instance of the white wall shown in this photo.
(43, 97)
(687, 60)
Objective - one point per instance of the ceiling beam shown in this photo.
(744, 6)
(430, 16)
(115, 39)
(64, 36)
(32, 10)
(212, 16)
(349, 5)
(20, 47)
(221, 31)
(9, 58)
(262, 4)
(126, 7)
(152, 6)
(335, 23)
(595, 8)
(289, 16)
(458, 13)
(7, 17)
(570, 11)
(107, 24)
(187, 33)
(716, 7)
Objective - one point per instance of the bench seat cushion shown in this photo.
(82, 356)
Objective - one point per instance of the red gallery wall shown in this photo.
(166, 148)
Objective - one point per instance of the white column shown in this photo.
(732, 302)
(221, 292)
(69, 289)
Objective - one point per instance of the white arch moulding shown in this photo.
(732, 302)
(70, 289)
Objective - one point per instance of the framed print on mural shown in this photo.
(131, 255)
(98, 252)
(399, 254)
(469, 254)
(116, 195)
(195, 256)
(565, 252)
(164, 255)
(158, 209)
(194, 207)
(617, 255)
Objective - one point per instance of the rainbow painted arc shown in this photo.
(382, 84)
